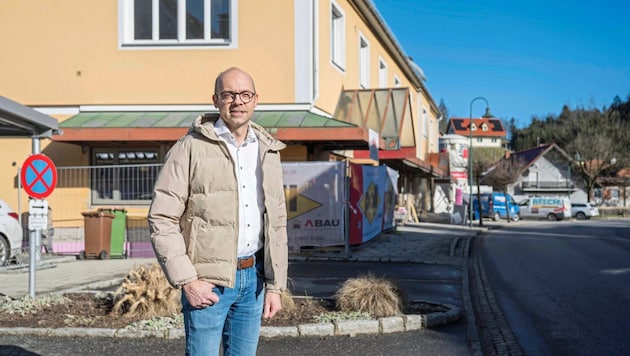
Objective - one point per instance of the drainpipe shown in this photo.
(315, 53)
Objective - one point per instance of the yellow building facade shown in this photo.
(130, 66)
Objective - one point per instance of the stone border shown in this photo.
(384, 325)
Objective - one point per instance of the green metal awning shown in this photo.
(150, 127)
(165, 119)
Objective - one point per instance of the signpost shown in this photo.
(39, 176)
(39, 179)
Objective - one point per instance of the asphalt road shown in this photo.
(446, 340)
(564, 287)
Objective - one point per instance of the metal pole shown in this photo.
(346, 183)
(33, 239)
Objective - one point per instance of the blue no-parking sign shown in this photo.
(39, 176)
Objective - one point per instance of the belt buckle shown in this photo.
(246, 263)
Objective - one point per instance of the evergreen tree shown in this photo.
(445, 116)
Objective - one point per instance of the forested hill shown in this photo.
(585, 134)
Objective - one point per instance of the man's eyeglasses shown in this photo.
(230, 96)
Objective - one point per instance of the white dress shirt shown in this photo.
(249, 180)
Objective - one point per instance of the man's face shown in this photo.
(236, 113)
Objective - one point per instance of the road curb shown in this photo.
(407, 322)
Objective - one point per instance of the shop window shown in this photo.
(124, 176)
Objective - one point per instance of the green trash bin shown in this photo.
(119, 227)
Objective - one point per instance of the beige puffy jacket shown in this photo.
(194, 214)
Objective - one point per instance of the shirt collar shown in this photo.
(221, 129)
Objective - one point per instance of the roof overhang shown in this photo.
(17, 120)
(405, 161)
(142, 128)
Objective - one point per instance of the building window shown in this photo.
(425, 119)
(396, 81)
(146, 23)
(123, 175)
(364, 62)
(484, 127)
(430, 135)
(337, 36)
(382, 73)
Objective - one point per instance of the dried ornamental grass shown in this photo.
(146, 293)
(287, 302)
(369, 294)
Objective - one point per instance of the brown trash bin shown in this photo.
(97, 234)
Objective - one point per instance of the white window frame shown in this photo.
(431, 131)
(337, 36)
(397, 82)
(364, 62)
(425, 118)
(382, 73)
(126, 28)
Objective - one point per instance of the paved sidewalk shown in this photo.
(63, 273)
(424, 243)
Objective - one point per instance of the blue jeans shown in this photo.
(233, 322)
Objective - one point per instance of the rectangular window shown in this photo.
(123, 175)
(337, 36)
(364, 62)
(430, 135)
(425, 118)
(178, 22)
(382, 73)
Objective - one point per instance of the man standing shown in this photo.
(218, 222)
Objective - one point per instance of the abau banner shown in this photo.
(316, 195)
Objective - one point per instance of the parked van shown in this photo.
(550, 208)
(493, 206)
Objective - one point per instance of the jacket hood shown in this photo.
(204, 125)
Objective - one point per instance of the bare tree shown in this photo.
(598, 144)
(483, 159)
(503, 173)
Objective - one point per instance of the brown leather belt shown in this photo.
(246, 262)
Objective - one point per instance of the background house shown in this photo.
(486, 132)
(541, 171)
(126, 84)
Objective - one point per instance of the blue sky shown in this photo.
(527, 58)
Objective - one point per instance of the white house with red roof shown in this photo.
(486, 132)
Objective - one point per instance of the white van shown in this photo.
(550, 208)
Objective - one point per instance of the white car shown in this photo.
(10, 234)
(582, 211)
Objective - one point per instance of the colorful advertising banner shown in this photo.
(372, 200)
(315, 194)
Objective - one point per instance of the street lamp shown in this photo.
(470, 157)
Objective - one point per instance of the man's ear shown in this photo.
(215, 100)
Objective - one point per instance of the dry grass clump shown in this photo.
(146, 293)
(286, 298)
(370, 294)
